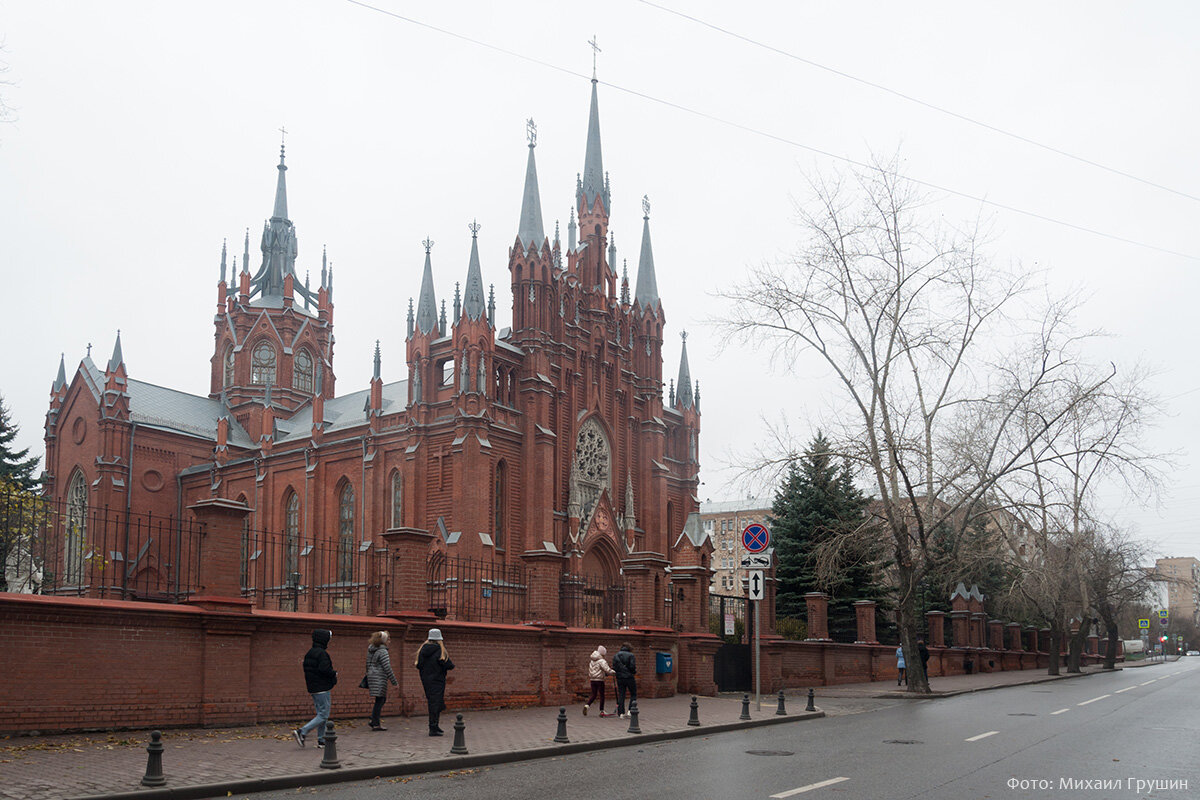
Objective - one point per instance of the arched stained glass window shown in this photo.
(291, 539)
(262, 365)
(397, 499)
(302, 372)
(346, 534)
(75, 538)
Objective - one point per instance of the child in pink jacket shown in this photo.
(598, 668)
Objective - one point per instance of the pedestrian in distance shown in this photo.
(598, 669)
(625, 667)
(319, 677)
(379, 675)
(923, 652)
(900, 667)
(433, 662)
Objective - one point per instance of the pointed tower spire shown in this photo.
(442, 321)
(280, 211)
(630, 516)
(61, 380)
(685, 377)
(410, 318)
(427, 303)
(625, 282)
(246, 252)
(117, 358)
(324, 267)
(492, 305)
(571, 233)
(647, 285)
(223, 243)
(377, 360)
(457, 302)
(612, 251)
(530, 230)
(592, 184)
(473, 296)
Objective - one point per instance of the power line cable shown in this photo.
(920, 102)
(772, 136)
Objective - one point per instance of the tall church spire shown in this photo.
(278, 244)
(530, 230)
(117, 358)
(427, 304)
(684, 398)
(592, 181)
(61, 380)
(473, 302)
(647, 285)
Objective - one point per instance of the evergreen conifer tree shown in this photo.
(16, 466)
(816, 501)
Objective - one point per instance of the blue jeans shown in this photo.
(321, 704)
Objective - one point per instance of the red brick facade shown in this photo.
(548, 445)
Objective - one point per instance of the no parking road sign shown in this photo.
(756, 538)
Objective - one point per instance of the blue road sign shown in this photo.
(755, 538)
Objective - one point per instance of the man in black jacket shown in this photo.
(625, 667)
(320, 677)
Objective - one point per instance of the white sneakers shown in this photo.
(585, 710)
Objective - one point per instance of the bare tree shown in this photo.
(911, 319)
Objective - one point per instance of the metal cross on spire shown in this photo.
(646, 205)
(282, 139)
(531, 132)
(474, 226)
(595, 50)
(428, 245)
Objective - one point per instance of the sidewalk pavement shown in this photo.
(204, 763)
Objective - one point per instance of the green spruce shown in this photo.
(16, 466)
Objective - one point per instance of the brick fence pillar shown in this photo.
(1031, 639)
(978, 638)
(935, 626)
(218, 582)
(864, 611)
(408, 559)
(1093, 644)
(818, 616)
(960, 623)
(1014, 636)
(995, 634)
(543, 573)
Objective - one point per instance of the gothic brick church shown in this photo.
(544, 450)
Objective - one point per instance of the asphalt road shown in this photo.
(1127, 734)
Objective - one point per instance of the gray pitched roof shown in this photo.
(530, 230)
(176, 411)
(647, 285)
(346, 411)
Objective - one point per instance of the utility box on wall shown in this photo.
(662, 663)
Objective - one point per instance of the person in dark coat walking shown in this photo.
(625, 667)
(433, 662)
(923, 652)
(320, 677)
(379, 674)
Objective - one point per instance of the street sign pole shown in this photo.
(757, 662)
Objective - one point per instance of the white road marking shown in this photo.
(1147, 683)
(808, 788)
(1126, 689)
(981, 736)
(1094, 699)
(1060, 711)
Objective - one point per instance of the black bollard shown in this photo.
(810, 706)
(561, 736)
(694, 719)
(781, 711)
(330, 760)
(633, 718)
(459, 748)
(154, 773)
(745, 707)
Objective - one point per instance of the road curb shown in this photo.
(973, 690)
(326, 777)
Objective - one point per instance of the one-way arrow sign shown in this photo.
(756, 584)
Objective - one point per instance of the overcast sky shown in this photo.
(147, 132)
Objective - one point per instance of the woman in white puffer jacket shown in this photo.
(598, 668)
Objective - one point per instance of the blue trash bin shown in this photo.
(662, 663)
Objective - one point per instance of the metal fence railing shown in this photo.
(477, 591)
(589, 602)
(52, 547)
(290, 573)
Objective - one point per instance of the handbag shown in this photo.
(363, 683)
